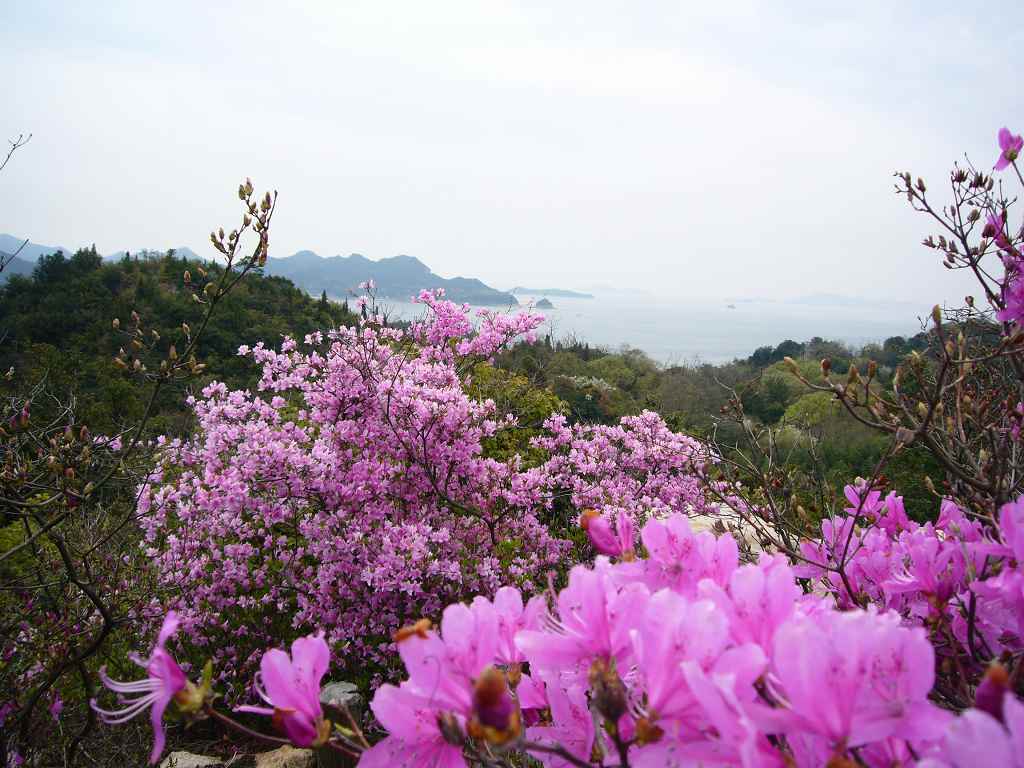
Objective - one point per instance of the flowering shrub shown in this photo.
(360, 494)
(355, 492)
(683, 658)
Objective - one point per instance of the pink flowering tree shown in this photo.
(353, 491)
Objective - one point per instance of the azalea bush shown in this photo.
(869, 640)
(355, 489)
(684, 657)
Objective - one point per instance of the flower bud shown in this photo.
(418, 629)
(607, 690)
(450, 729)
(647, 732)
(116, 323)
(937, 315)
(992, 691)
(495, 713)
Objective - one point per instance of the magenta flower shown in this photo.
(414, 734)
(856, 677)
(979, 740)
(595, 617)
(998, 232)
(165, 681)
(618, 543)
(291, 686)
(1010, 145)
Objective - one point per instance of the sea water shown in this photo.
(701, 330)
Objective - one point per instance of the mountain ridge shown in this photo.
(397, 277)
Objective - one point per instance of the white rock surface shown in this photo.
(189, 760)
(286, 757)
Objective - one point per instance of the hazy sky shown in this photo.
(723, 148)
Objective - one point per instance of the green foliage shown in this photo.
(513, 393)
(58, 329)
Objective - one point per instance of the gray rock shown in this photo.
(189, 760)
(336, 696)
(286, 757)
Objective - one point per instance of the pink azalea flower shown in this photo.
(1010, 145)
(676, 630)
(291, 686)
(978, 740)
(998, 232)
(856, 677)
(165, 681)
(572, 725)
(679, 559)
(511, 616)
(594, 619)
(56, 707)
(618, 543)
(414, 736)
(758, 600)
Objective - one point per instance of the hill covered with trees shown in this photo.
(56, 325)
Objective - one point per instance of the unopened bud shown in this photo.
(791, 364)
(992, 691)
(937, 314)
(172, 353)
(872, 369)
(647, 732)
(418, 629)
(116, 323)
(188, 277)
(608, 691)
(450, 729)
(496, 716)
(826, 367)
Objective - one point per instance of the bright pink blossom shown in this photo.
(291, 686)
(165, 680)
(1010, 147)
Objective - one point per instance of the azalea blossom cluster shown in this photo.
(353, 489)
(954, 576)
(685, 657)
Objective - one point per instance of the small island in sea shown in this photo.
(558, 293)
(544, 304)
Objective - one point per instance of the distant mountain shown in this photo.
(15, 266)
(399, 277)
(32, 251)
(556, 292)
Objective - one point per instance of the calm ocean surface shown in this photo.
(689, 330)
